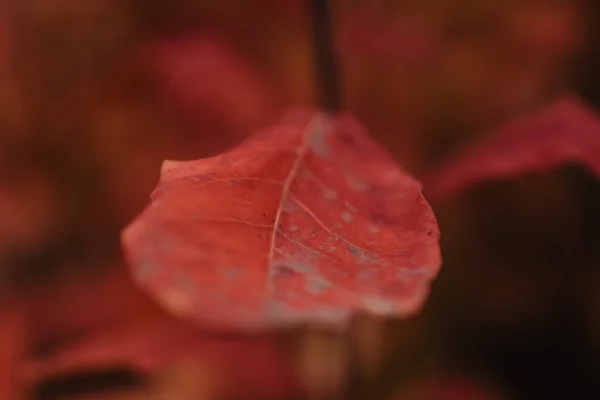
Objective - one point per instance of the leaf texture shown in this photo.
(565, 132)
(307, 221)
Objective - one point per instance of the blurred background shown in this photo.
(95, 94)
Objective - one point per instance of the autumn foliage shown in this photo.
(308, 221)
(180, 217)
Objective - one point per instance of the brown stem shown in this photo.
(326, 71)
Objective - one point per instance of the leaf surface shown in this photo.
(307, 221)
(565, 132)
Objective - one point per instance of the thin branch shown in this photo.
(326, 70)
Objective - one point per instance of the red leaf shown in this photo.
(209, 88)
(565, 132)
(78, 304)
(306, 221)
(150, 348)
(103, 321)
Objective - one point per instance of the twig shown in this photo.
(326, 71)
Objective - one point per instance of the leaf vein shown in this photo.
(325, 227)
(307, 246)
(233, 221)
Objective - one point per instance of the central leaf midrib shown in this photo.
(311, 130)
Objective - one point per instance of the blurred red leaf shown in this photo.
(102, 321)
(565, 132)
(150, 348)
(212, 91)
(83, 303)
(306, 221)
